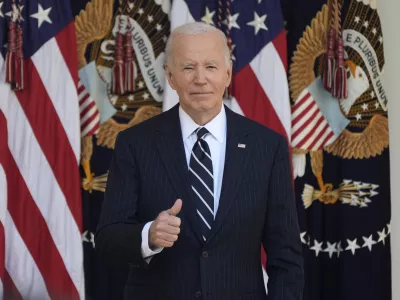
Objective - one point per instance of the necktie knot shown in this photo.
(201, 132)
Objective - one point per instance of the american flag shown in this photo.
(310, 129)
(89, 114)
(40, 202)
(259, 82)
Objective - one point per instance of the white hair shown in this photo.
(193, 29)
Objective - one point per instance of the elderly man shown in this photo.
(193, 193)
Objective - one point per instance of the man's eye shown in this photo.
(211, 67)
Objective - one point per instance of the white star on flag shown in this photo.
(1, 13)
(382, 236)
(258, 23)
(42, 15)
(331, 248)
(352, 245)
(208, 17)
(233, 21)
(368, 242)
(317, 247)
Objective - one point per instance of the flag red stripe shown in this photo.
(326, 127)
(81, 89)
(10, 290)
(254, 102)
(326, 140)
(52, 139)
(281, 47)
(87, 108)
(309, 120)
(303, 113)
(309, 135)
(299, 103)
(84, 99)
(66, 40)
(32, 227)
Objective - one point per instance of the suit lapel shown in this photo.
(236, 159)
(172, 152)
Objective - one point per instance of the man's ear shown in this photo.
(168, 74)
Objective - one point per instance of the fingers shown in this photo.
(165, 229)
(176, 208)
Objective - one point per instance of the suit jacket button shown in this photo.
(198, 294)
(205, 254)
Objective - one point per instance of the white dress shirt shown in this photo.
(216, 140)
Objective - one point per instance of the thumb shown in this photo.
(174, 210)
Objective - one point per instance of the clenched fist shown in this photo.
(165, 229)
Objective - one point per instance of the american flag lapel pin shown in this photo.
(242, 145)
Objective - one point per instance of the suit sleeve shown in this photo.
(281, 238)
(119, 234)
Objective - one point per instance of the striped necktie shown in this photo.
(202, 181)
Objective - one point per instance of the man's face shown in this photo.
(199, 73)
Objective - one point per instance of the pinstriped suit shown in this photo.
(149, 172)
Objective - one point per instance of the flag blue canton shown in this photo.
(36, 26)
(247, 42)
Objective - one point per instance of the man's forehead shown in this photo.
(192, 62)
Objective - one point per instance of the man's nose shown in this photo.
(200, 76)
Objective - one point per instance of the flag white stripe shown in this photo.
(201, 180)
(85, 104)
(201, 198)
(204, 167)
(89, 114)
(46, 192)
(62, 91)
(271, 74)
(306, 117)
(204, 220)
(21, 266)
(82, 94)
(307, 130)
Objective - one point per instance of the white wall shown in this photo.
(389, 11)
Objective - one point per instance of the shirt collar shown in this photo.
(217, 126)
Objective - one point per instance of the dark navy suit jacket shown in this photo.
(149, 172)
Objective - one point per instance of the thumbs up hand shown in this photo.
(165, 229)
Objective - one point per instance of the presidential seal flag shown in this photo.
(340, 141)
(41, 255)
(120, 46)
